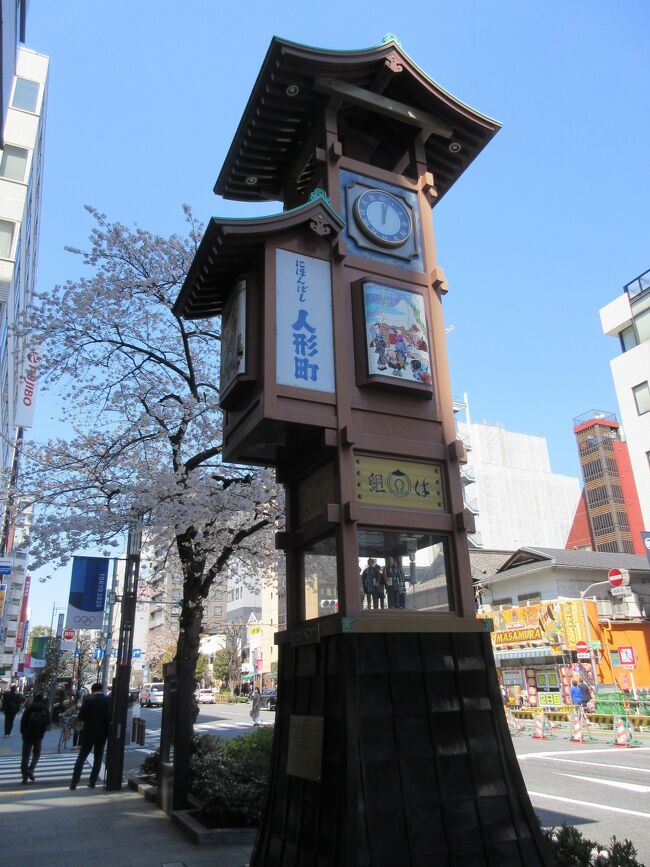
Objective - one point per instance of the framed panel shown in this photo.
(392, 338)
(238, 341)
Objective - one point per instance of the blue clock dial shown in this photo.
(383, 218)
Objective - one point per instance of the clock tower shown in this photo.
(391, 746)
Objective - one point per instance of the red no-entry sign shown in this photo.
(618, 577)
(582, 647)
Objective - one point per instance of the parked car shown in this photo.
(205, 696)
(269, 698)
(151, 695)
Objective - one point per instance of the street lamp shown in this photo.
(592, 657)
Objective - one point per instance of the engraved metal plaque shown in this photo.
(305, 753)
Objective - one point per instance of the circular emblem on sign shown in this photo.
(383, 218)
(399, 484)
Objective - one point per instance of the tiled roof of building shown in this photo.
(485, 563)
(529, 559)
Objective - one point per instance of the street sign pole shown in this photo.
(117, 728)
(592, 658)
(109, 629)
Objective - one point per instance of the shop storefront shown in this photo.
(535, 651)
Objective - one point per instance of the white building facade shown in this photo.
(21, 181)
(628, 319)
(509, 487)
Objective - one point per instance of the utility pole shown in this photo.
(117, 729)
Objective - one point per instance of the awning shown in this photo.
(248, 677)
(523, 653)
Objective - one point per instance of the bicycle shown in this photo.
(66, 732)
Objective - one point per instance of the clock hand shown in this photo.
(383, 214)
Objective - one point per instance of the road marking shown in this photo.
(582, 753)
(618, 784)
(600, 765)
(575, 802)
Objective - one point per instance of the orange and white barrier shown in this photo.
(578, 736)
(515, 725)
(539, 727)
(621, 734)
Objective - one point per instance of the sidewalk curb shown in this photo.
(191, 827)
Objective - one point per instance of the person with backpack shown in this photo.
(33, 725)
(11, 702)
(95, 714)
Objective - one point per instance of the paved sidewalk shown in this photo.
(44, 823)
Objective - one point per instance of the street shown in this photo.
(600, 788)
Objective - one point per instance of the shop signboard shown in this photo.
(627, 657)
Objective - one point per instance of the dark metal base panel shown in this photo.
(418, 766)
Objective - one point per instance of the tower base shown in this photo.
(391, 749)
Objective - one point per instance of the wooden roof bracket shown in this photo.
(428, 123)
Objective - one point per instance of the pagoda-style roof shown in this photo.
(231, 246)
(381, 94)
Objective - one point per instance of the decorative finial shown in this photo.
(318, 193)
(390, 37)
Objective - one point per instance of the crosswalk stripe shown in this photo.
(51, 766)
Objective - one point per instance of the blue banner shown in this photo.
(645, 538)
(87, 592)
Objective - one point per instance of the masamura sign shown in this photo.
(518, 636)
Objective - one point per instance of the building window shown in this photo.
(628, 338)
(641, 394)
(13, 163)
(6, 238)
(217, 610)
(25, 94)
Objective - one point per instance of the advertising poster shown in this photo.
(87, 593)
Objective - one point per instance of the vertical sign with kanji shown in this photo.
(304, 342)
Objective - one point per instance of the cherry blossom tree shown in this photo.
(138, 387)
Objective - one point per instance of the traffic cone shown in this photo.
(538, 729)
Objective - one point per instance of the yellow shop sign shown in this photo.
(518, 636)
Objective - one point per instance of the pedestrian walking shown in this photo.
(255, 707)
(33, 725)
(95, 715)
(11, 702)
(585, 693)
(576, 694)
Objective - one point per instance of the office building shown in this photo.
(510, 489)
(628, 319)
(608, 517)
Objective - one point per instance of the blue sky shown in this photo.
(543, 229)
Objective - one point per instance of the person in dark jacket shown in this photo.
(33, 725)
(11, 702)
(95, 716)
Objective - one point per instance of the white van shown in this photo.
(152, 694)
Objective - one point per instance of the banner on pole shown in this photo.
(39, 651)
(87, 593)
(645, 538)
(22, 622)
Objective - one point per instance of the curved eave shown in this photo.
(231, 246)
(275, 126)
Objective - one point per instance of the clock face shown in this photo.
(383, 218)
